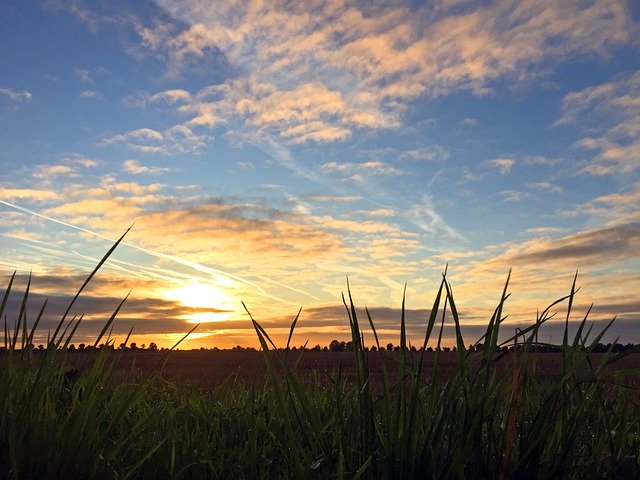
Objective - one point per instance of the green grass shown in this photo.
(483, 421)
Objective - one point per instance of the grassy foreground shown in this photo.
(481, 422)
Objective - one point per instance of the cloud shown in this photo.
(178, 138)
(84, 75)
(503, 165)
(91, 94)
(545, 186)
(544, 231)
(245, 165)
(382, 212)
(373, 167)
(428, 154)
(514, 195)
(81, 160)
(592, 247)
(16, 96)
(49, 171)
(610, 112)
(540, 160)
(425, 217)
(337, 199)
(175, 95)
(28, 194)
(614, 208)
(316, 72)
(136, 168)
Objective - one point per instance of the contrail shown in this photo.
(194, 265)
(287, 287)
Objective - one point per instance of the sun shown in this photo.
(201, 295)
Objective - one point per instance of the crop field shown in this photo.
(211, 368)
(285, 413)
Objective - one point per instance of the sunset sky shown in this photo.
(264, 151)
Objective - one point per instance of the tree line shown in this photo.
(335, 346)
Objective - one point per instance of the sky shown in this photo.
(266, 151)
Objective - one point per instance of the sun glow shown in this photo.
(216, 303)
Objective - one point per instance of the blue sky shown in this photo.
(266, 151)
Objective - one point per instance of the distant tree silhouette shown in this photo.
(153, 347)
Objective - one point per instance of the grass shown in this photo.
(482, 421)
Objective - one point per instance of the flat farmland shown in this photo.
(210, 368)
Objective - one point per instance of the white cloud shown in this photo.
(424, 216)
(91, 94)
(84, 75)
(178, 138)
(134, 167)
(514, 195)
(16, 96)
(374, 167)
(382, 212)
(245, 165)
(48, 171)
(550, 187)
(335, 198)
(171, 96)
(431, 153)
(503, 165)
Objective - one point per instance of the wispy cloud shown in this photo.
(431, 153)
(547, 186)
(16, 96)
(136, 168)
(373, 167)
(338, 199)
(425, 217)
(503, 165)
(514, 195)
(610, 113)
(319, 72)
(381, 212)
(92, 94)
(178, 138)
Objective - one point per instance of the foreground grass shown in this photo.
(480, 422)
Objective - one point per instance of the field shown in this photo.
(211, 368)
(358, 414)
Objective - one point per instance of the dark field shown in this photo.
(211, 368)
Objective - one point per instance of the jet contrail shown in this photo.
(188, 263)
